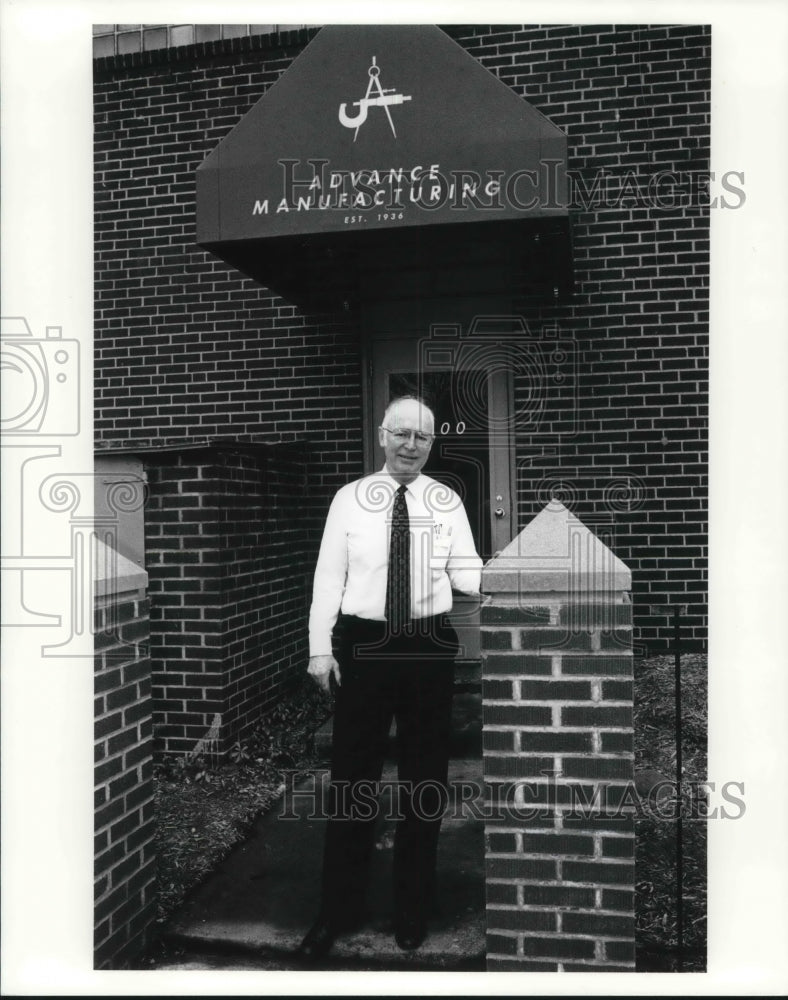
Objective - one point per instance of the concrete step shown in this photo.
(263, 898)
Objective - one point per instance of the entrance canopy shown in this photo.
(383, 138)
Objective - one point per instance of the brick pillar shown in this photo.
(229, 555)
(556, 639)
(124, 824)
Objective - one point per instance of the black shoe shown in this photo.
(318, 941)
(410, 932)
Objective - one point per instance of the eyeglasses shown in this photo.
(402, 437)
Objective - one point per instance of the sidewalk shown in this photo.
(263, 898)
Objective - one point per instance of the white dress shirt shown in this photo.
(352, 566)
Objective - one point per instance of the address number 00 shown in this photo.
(459, 429)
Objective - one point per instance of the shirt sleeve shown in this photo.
(329, 582)
(464, 565)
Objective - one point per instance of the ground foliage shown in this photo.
(655, 759)
(206, 806)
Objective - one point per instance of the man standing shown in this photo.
(394, 545)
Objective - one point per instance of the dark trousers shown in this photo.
(409, 677)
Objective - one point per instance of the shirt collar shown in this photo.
(416, 488)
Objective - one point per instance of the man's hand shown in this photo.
(321, 668)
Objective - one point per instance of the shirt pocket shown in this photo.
(439, 556)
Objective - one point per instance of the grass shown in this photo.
(655, 751)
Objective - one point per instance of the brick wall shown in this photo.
(124, 870)
(111, 39)
(186, 348)
(631, 449)
(557, 690)
(231, 540)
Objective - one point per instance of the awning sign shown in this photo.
(380, 126)
(383, 98)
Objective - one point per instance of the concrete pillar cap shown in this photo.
(113, 573)
(556, 552)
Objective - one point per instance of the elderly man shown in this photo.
(395, 544)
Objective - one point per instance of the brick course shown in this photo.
(185, 348)
(231, 538)
(124, 869)
(560, 833)
(636, 449)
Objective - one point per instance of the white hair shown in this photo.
(401, 399)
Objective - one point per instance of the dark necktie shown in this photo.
(398, 580)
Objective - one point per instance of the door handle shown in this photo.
(499, 512)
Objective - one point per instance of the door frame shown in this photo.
(502, 462)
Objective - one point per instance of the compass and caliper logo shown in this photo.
(383, 98)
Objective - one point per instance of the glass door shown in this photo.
(472, 452)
